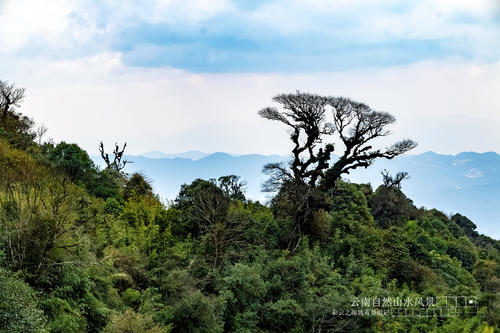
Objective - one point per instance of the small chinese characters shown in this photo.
(428, 306)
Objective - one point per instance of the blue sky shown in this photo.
(223, 36)
(178, 75)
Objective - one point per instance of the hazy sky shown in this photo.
(179, 75)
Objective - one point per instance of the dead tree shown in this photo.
(394, 182)
(118, 163)
(40, 132)
(10, 98)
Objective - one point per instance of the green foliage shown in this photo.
(283, 315)
(63, 318)
(100, 253)
(19, 309)
(462, 249)
(451, 270)
(350, 204)
(136, 187)
(194, 312)
(74, 162)
(112, 207)
(392, 255)
(390, 206)
(233, 187)
(108, 184)
(15, 128)
(131, 321)
(131, 298)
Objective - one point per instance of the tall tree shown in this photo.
(14, 127)
(305, 114)
(72, 161)
(312, 120)
(315, 123)
(233, 186)
(118, 163)
(10, 97)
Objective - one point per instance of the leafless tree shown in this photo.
(10, 97)
(210, 212)
(117, 164)
(40, 132)
(394, 182)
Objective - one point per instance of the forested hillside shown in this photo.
(84, 249)
(468, 183)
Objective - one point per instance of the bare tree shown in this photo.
(394, 182)
(40, 132)
(209, 211)
(117, 164)
(10, 97)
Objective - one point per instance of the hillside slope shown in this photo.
(468, 183)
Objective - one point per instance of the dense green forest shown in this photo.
(90, 250)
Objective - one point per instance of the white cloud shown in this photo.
(474, 173)
(75, 28)
(447, 106)
(460, 162)
(22, 21)
(77, 83)
(190, 11)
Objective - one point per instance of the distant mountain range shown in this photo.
(467, 183)
(192, 155)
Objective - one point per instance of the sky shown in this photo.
(183, 75)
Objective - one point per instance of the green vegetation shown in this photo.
(89, 250)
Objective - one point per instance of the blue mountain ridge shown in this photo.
(467, 183)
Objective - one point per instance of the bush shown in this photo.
(19, 311)
(131, 321)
